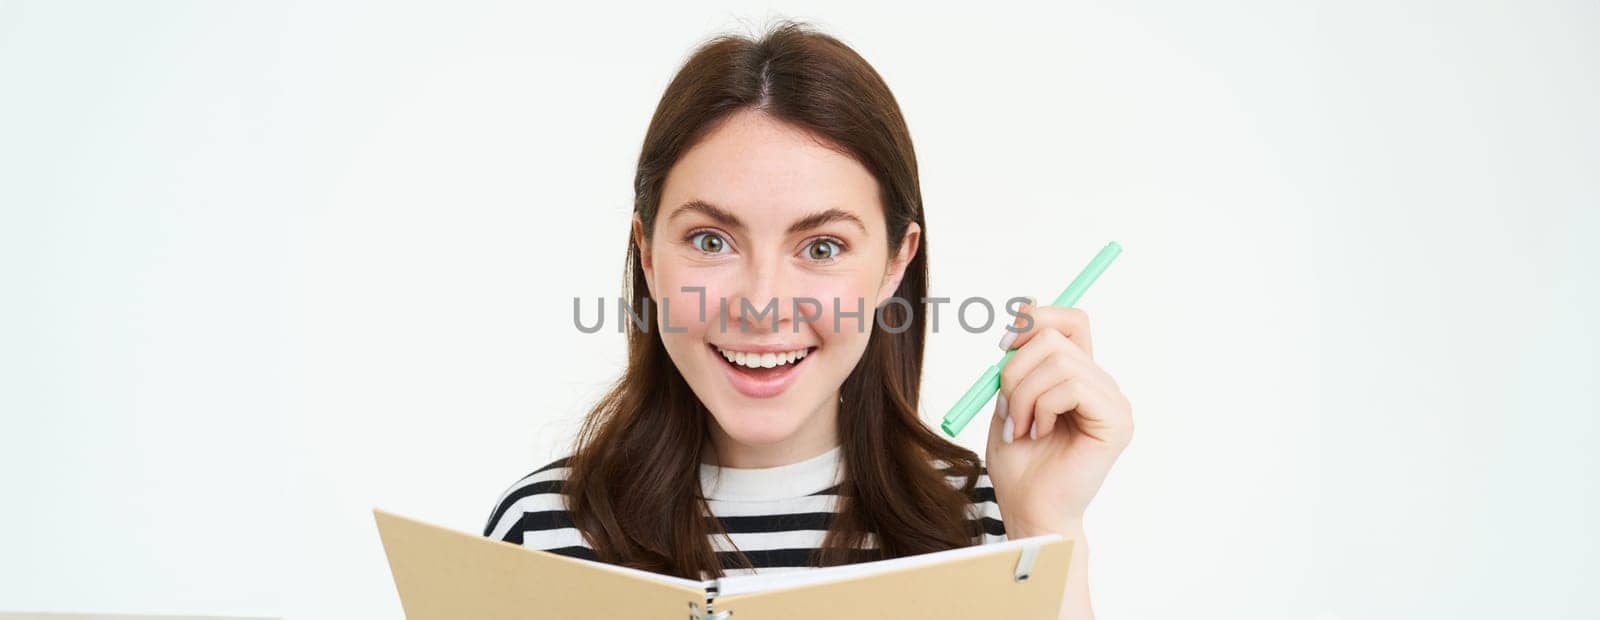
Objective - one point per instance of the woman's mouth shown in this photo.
(761, 374)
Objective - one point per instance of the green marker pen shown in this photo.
(979, 394)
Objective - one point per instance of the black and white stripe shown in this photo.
(776, 535)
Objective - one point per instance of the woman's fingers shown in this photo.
(1022, 364)
(1060, 398)
(1056, 399)
(1023, 322)
(1099, 416)
(999, 424)
(1070, 322)
(1049, 377)
(1042, 366)
(1084, 360)
(1041, 346)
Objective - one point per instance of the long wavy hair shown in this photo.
(633, 487)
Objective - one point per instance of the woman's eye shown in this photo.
(707, 242)
(823, 249)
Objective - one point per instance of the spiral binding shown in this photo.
(696, 614)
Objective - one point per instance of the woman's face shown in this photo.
(759, 215)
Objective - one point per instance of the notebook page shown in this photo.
(980, 585)
(745, 584)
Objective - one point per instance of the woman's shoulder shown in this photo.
(534, 501)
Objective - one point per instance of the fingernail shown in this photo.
(1010, 336)
(1033, 433)
(1006, 431)
(1005, 412)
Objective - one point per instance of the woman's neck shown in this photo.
(819, 433)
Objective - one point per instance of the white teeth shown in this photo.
(762, 360)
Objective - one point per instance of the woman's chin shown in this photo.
(757, 427)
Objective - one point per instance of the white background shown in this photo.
(267, 266)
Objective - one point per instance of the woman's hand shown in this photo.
(1068, 422)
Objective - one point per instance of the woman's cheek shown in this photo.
(722, 312)
(845, 314)
(687, 302)
(678, 312)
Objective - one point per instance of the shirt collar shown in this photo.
(767, 483)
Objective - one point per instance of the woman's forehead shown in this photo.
(768, 173)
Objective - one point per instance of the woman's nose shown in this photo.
(764, 302)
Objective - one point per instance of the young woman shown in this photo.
(767, 419)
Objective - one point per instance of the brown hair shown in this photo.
(633, 486)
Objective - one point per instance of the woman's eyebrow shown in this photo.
(824, 217)
(803, 224)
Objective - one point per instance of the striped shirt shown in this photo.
(776, 515)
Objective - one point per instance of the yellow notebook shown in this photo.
(445, 574)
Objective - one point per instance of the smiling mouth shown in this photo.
(762, 374)
(754, 360)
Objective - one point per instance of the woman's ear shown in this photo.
(645, 263)
(899, 262)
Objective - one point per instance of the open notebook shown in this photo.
(443, 573)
